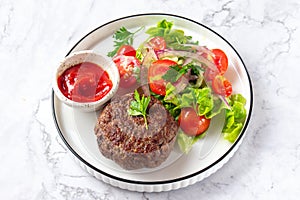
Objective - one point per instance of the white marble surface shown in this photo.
(35, 35)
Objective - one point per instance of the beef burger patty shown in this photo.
(125, 139)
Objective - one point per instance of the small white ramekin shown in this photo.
(87, 56)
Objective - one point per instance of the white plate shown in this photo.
(180, 170)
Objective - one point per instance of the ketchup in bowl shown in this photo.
(84, 82)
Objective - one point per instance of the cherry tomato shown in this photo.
(157, 43)
(126, 66)
(220, 60)
(221, 86)
(156, 71)
(191, 123)
(126, 50)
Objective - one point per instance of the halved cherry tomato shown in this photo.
(220, 60)
(126, 50)
(221, 86)
(157, 43)
(126, 65)
(191, 123)
(156, 71)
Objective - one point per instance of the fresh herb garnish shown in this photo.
(122, 37)
(139, 106)
(176, 71)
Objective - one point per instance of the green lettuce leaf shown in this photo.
(235, 117)
(163, 27)
(174, 38)
(218, 106)
(205, 100)
(199, 98)
(233, 132)
(238, 98)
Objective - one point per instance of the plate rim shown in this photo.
(175, 179)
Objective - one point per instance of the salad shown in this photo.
(186, 77)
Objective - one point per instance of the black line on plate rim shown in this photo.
(166, 181)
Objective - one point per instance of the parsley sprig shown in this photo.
(139, 106)
(122, 37)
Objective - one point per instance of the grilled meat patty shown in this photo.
(125, 139)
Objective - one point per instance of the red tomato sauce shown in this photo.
(84, 82)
